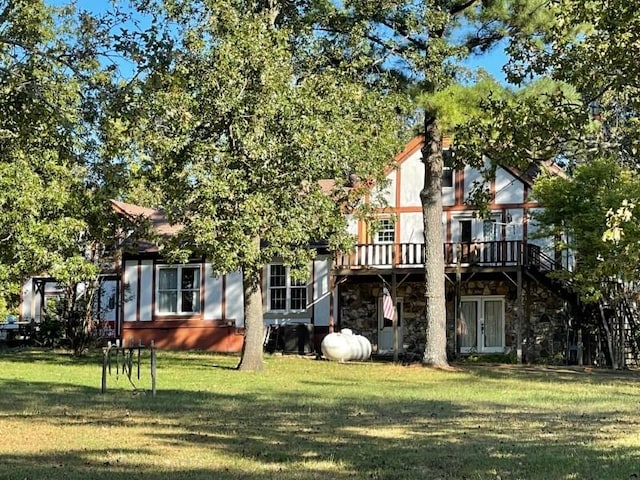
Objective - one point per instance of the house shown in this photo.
(187, 307)
(499, 296)
(39, 294)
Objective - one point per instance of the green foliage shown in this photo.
(540, 122)
(577, 211)
(500, 358)
(51, 330)
(237, 122)
(589, 46)
(459, 105)
(240, 129)
(57, 169)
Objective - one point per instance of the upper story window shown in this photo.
(178, 290)
(447, 171)
(447, 177)
(386, 231)
(284, 293)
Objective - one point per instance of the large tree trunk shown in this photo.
(253, 323)
(435, 352)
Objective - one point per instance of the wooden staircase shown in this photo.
(615, 317)
(619, 323)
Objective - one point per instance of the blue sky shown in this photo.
(492, 61)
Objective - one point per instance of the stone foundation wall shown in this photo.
(359, 311)
(543, 332)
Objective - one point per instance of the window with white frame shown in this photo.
(178, 290)
(285, 293)
(386, 231)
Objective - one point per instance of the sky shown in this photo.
(492, 61)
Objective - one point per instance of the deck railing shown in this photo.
(387, 255)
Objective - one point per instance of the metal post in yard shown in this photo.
(153, 368)
(105, 364)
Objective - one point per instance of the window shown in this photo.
(447, 177)
(386, 232)
(284, 292)
(448, 156)
(178, 290)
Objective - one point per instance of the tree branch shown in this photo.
(461, 7)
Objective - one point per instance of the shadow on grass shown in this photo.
(295, 435)
(48, 356)
(542, 373)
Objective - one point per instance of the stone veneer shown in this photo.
(543, 332)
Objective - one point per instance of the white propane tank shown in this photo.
(345, 346)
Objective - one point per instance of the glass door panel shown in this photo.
(468, 325)
(493, 331)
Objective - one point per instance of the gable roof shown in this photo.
(527, 175)
(156, 218)
(136, 213)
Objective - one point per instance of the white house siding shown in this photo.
(514, 224)
(32, 303)
(352, 225)
(389, 193)
(25, 306)
(212, 294)
(146, 290)
(448, 195)
(471, 176)
(412, 230)
(130, 298)
(234, 298)
(508, 189)
(411, 180)
(108, 308)
(321, 293)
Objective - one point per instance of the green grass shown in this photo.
(312, 419)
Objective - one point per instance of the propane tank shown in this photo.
(345, 346)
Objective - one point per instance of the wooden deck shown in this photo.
(410, 256)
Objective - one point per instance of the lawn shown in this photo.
(303, 418)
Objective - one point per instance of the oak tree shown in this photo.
(243, 118)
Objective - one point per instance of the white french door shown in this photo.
(481, 324)
(472, 235)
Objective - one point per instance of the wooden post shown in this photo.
(105, 362)
(520, 318)
(153, 369)
(394, 288)
(458, 309)
(139, 348)
(332, 301)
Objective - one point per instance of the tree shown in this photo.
(589, 122)
(592, 211)
(242, 119)
(581, 209)
(422, 44)
(52, 199)
(588, 47)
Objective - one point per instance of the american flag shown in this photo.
(387, 304)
